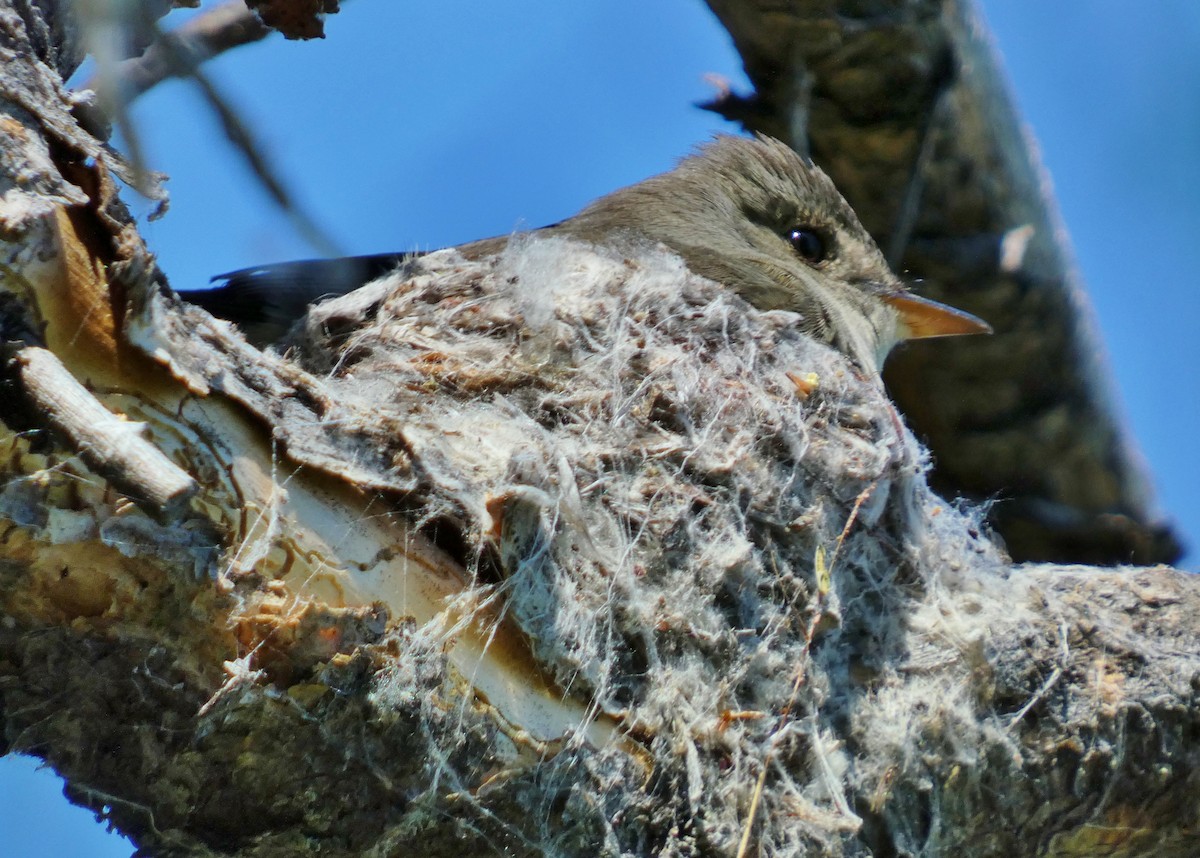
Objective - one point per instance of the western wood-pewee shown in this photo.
(748, 213)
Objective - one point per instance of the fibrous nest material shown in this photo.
(706, 525)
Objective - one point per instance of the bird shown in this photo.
(747, 212)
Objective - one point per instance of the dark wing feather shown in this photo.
(266, 300)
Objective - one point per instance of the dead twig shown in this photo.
(180, 53)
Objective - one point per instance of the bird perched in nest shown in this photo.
(748, 213)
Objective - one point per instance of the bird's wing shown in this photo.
(266, 300)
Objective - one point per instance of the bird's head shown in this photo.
(755, 216)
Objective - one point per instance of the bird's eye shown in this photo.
(808, 244)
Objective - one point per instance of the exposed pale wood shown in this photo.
(692, 553)
(112, 447)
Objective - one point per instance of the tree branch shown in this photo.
(546, 552)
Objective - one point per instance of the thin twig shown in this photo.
(240, 136)
(203, 37)
(180, 54)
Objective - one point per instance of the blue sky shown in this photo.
(415, 126)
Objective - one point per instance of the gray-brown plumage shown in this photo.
(748, 213)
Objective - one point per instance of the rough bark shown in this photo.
(561, 551)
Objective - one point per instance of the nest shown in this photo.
(708, 527)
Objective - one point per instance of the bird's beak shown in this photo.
(920, 318)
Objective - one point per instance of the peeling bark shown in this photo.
(548, 552)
